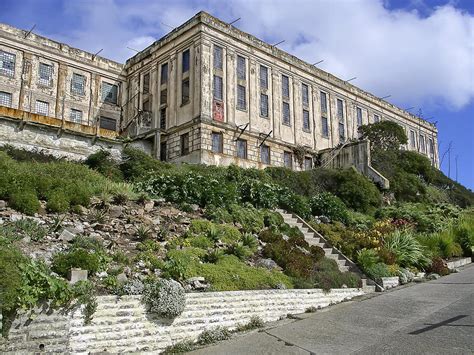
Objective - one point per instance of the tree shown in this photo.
(384, 135)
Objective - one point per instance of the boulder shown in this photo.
(76, 275)
(115, 211)
(267, 264)
(66, 236)
(149, 206)
(3, 205)
(122, 278)
(324, 219)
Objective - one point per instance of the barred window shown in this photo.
(164, 73)
(7, 63)
(288, 160)
(305, 94)
(342, 132)
(422, 144)
(359, 116)
(186, 56)
(324, 102)
(376, 118)
(340, 109)
(265, 154)
(109, 93)
(286, 113)
(108, 123)
(5, 99)
(78, 83)
(146, 83)
(185, 92)
(218, 62)
(75, 116)
(163, 97)
(263, 105)
(285, 86)
(263, 77)
(324, 127)
(42, 108)
(185, 144)
(306, 120)
(412, 139)
(241, 97)
(241, 69)
(163, 118)
(218, 91)
(45, 74)
(242, 148)
(308, 163)
(217, 146)
(163, 151)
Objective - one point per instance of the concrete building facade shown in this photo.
(204, 93)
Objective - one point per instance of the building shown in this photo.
(204, 93)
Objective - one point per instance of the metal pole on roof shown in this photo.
(231, 23)
(318, 62)
(385, 97)
(165, 24)
(409, 108)
(133, 49)
(95, 55)
(29, 32)
(355, 77)
(276, 44)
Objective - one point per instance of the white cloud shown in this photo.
(419, 60)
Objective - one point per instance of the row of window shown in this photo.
(422, 146)
(109, 92)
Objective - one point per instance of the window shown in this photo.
(286, 113)
(108, 123)
(359, 116)
(263, 77)
(412, 139)
(342, 133)
(163, 151)
(163, 97)
(5, 99)
(324, 127)
(217, 146)
(163, 118)
(146, 83)
(305, 94)
(306, 120)
(164, 73)
(308, 163)
(265, 154)
(241, 70)
(241, 98)
(285, 87)
(422, 144)
(218, 63)
(45, 74)
(218, 94)
(7, 63)
(376, 118)
(185, 92)
(288, 160)
(242, 148)
(146, 106)
(431, 147)
(109, 93)
(340, 109)
(75, 116)
(324, 103)
(186, 61)
(42, 108)
(78, 84)
(263, 105)
(185, 144)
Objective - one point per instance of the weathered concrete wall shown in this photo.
(123, 325)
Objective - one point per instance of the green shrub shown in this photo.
(213, 335)
(377, 271)
(272, 219)
(104, 164)
(58, 201)
(248, 217)
(442, 244)
(239, 250)
(24, 227)
(10, 258)
(218, 214)
(254, 323)
(335, 279)
(164, 297)
(137, 165)
(367, 258)
(24, 201)
(330, 206)
(406, 249)
(295, 203)
(438, 266)
(200, 241)
(78, 258)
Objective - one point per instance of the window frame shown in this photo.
(45, 74)
(81, 89)
(325, 127)
(106, 98)
(285, 86)
(219, 97)
(186, 61)
(238, 150)
(215, 56)
(39, 103)
(264, 147)
(164, 73)
(286, 155)
(185, 99)
(5, 71)
(103, 122)
(286, 119)
(305, 165)
(305, 94)
(263, 80)
(359, 117)
(306, 122)
(8, 98)
(184, 142)
(241, 104)
(264, 114)
(241, 68)
(74, 120)
(220, 148)
(146, 83)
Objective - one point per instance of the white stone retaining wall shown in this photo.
(121, 324)
(458, 263)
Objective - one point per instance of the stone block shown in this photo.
(76, 275)
(66, 235)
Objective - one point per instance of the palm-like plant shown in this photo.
(407, 250)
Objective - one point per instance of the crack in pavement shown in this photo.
(289, 343)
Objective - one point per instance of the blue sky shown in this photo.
(421, 52)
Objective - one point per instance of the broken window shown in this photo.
(218, 62)
(265, 154)
(263, 77)
(75, 116)
(146, 83)
(7, 63)
(376, 118)
(217, 146)
(45, 74)
(359, 116)
(185, 144)
(306, 126)
(286, 113)
(308, 163)
(242, 148)
(78, 83)
(108, 123)
(185, 92)
(218, 91)
(5, 99)
(109, 93)
(186, 57)
(288, 160)
(285, 87)
(42, 108)
(163, 118)
(324, 127)
(241, 98)
(164, 73)
(241, 70)
(163, 151)
(305, 94)
(263, 105)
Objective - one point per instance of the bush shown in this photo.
(24, 227)
(247, 217)
(438, 266)
(79, 258)
(58, 201)
(326, 204)
(213, 335)
(377, 271)
(164, 297)
(336, 279)
(406, 249)
(254, 323)
(137, 165)
(442, 244)
(104, 164)
(367, 258)
(25, 201)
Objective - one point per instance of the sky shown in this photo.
(421, 52)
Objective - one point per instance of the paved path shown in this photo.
(435, 317)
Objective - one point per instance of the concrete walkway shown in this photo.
(435, 317)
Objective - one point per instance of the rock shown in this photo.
(76, 275)
(267, 264)
(194, 207)
(196, 278)
(3, 205)
(15, 217)
(149, 206)
(324, 219)
(115, 211)
(280, 286)
(159, 201)
(26, 240)
(344, 286)
(156, 221)
(102, 274)
(76, 229)
(66, 236)
(122, 278)
(433, 276)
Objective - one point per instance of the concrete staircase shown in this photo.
(315, 238)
